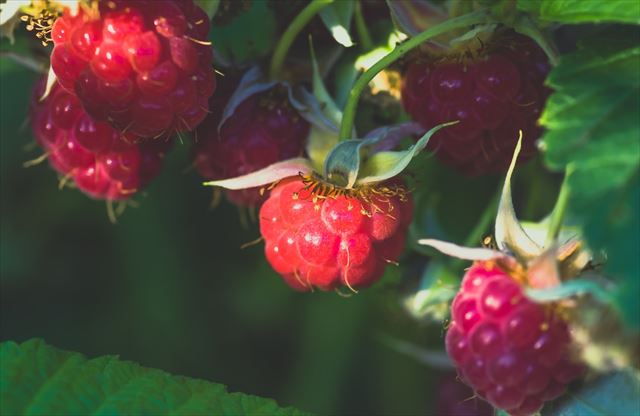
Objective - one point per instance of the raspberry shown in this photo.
(143, 66)
(263, 130)
(493, 96)
(510, 350)
(330, 241)
(91, 152)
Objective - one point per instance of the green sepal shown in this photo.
(385, 165)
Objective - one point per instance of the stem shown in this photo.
(363, 33)
(557, 215)
(292, 31)
(475, 235)
(399, 51)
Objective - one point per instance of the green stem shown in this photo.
(475, 236)
(399, 51)
(363, 33)
(557, 215)
(300, 21)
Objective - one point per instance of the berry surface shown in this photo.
(143, 66)
(327, 242)
(510, 350)
(89, 152)
(264, 129)
(493, 95)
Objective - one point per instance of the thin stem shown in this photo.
(400, 50)
(488, 215)
(292, 31)
(557, 215)
(363, 33)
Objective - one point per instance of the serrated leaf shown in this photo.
(39, 379)
(337, 18)
(583, 11)
(265, 176)
(613, 394)
(384, 165)
(592, 124)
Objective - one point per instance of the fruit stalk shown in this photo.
(399, 51)
(290, 34)
(557, 215)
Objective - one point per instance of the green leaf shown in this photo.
(613, 394)
(210, 7)
(583, 11)
(337, 18)
(38, 379)
(236, 46)
(592, 125)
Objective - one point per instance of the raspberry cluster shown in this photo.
(91, 152)
(264, 129)
(143, 66)
(331, 241)
(510, 350)
(493, 95)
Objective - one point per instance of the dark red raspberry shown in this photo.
(331, 241)
(91, 152)
(510, 350)
(493, 95)
(263, 130)
(143, 66)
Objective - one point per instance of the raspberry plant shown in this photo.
(467, 167)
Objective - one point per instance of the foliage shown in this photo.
(38, 379)
(593, 128)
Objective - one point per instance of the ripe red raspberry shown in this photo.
(263, 130)
(141, 65)
(331, 241)
(510, 350)
(493, 95)
(91, 152)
